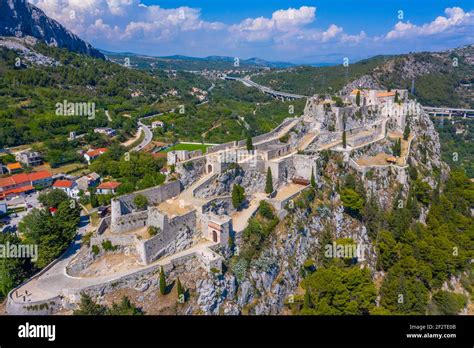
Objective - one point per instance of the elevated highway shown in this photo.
(267, 90)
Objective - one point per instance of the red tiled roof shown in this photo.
(15, 165)
(96, 152)
(111, 185)
(18, 190)
(20, 178)
(42, 174)
(6, 182)
(63, 183)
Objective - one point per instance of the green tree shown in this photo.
(358, 98)
(125, 307)
(340, 291)
(180, 291)
(238, 196)
(313, 180)
(140, 201)
(13, 271)
(269, 182)
(344, 139)
(250, 146)
(397, 148)
(396, 97)
(353, 202)
(406, 131)
(51, 199)
(162, 282)
(88, 307)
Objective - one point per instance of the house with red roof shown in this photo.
(108, 188)
(93, 154)
(68, 186)
(41, 179)
(24, 183)
(14, 167)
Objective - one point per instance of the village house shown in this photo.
(157, 124)
(24, 183)
(29, 158)
(87, 181)
(108, 188)
(93, 154)
(106, 130)
(14, 168)
(68, 186)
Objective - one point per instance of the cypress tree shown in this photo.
(180, 290)
(269, 182)
(344, 140)
(162, 282)
(249, 143)
(307, 299)
(358, 98)
(313, 180)
(406, 132)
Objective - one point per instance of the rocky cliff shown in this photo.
(19, 18)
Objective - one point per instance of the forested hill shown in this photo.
(37, 77)
(439, 78)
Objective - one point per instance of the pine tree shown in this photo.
(344, 140)
(358, 98)
(313, 180)
(249, 143)
(162, 282)
(269, 182)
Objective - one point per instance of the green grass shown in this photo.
(189, 147)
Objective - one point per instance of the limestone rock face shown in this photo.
(19, 18)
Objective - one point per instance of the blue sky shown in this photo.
(298, 31)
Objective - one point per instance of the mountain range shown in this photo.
(19, 18)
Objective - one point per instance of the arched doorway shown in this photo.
(209, 168)
(214, 236)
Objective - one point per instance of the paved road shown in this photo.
(146, 140)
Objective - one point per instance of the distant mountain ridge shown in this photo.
(187, 61)
(19, 18)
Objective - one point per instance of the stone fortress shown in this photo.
(193, 217)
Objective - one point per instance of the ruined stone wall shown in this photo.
(304, 165)
(177, 236)
(124, 216)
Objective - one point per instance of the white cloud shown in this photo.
(282, 22)
(455, 18)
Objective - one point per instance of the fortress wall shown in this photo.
(220, 147)
(304, 166)
(155, 195)
(104, 224)
(124, 219)
(129, 222)
(44, 307)
(177, 236)
(280, 169)
(119, 240)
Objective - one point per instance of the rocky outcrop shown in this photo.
(19, 18)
